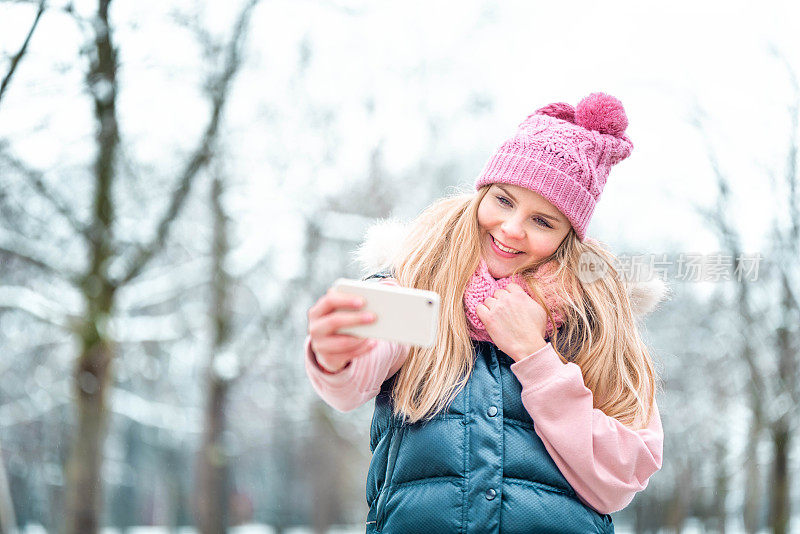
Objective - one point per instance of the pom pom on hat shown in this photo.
(602, 113)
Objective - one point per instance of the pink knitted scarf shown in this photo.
(482, 285)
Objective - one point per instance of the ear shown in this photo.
(381, 244)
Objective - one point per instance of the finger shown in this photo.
(488, 301)
(512, 287)
(329, 324)
(368, 346)
(331, 361)
(338, 344)
(338, 359)
(481, 310)
(500, 292)
(334, 300)
(341, 357)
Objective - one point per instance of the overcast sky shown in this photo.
(423, 61)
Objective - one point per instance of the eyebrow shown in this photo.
(545, 215)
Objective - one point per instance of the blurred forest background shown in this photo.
(180, 181)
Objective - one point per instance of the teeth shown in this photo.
(504, 249)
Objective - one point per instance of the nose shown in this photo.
(513, 228)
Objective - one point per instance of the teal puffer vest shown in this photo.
(478, 468)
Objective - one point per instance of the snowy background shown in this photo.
(341, 113)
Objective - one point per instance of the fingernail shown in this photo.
(368, 316)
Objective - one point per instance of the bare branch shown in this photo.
(219, 88)
(253, 346)
(40, 257)
(159, 328)
(717, 217)
(161, 288)
(53, 342)
(175, 418)
(792, 177)
(18, 56)
(263, 263)
(732, 242)
(23, 299)
(127, 404)
(35, 178)
(24, 410)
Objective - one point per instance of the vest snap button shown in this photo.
(492, 411)
(490, 494)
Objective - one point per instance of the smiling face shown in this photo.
(522, 222)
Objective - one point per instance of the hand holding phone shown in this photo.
(332, 311)
(404, 315)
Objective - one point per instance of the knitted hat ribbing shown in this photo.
(564, 154)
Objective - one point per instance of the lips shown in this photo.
(499, 252)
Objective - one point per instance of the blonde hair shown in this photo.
(599, 333)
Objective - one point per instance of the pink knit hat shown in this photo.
(564, 154)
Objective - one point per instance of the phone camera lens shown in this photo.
(430, 303)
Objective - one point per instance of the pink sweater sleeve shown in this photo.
(361, 379)
(604, 461)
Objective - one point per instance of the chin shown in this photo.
(499, 272)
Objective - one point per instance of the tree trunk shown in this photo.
(681, 498)
(8, 523)
(649, 513)
(325, 457)
(174, 488)
(752, 486)
(779, 488)
(84, 481)
(639, 507)
(721, 479)
(780, 500)
(93, 370)
(213, 465)
(213, 490)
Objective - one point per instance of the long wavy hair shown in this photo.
(599, 332)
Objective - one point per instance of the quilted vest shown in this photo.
(479, 467)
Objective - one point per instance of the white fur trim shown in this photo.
(645, 295)
(380, 246)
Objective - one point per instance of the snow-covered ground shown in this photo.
(691, 527)
(243, 529)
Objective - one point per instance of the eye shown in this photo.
(503, 200)
(541, 221)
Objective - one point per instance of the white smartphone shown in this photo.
(409, 316)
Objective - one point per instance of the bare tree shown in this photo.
(224, 367)
(774, 384)
(98, 285)
(93, 367)
(7, 518)
(17, 58)
(212, 470)
(232, 354)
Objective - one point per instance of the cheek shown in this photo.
(487, 217)
(483, 217)
(543, 246)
